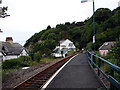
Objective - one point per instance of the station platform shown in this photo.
(76, 74)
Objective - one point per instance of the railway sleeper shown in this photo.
(33, 84)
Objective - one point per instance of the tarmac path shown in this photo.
(76, 74)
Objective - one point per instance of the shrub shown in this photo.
(22, 61)
(90, 46)
(37, 56)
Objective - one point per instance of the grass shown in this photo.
(15, 64)
(32, 63)
(21, 62)
(44, 60)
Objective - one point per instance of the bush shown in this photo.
(22, 61)
(90, 46)
(37, 56)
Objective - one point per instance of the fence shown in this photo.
(108, 73)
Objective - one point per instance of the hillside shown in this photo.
(107, 25)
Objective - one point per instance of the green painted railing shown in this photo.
(67, 50)
(98, 64)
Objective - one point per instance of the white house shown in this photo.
(10, 50)
(62, 50)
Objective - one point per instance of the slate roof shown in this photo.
(11, 48)
(107, 45)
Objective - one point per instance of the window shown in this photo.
(106, 44)
(70, 44)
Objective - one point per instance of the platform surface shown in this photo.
(76, 74)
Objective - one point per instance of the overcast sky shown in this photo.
(31, 16)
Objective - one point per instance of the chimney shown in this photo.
(9, 39)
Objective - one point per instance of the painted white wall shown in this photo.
(0, 54)
(57, 55)
(9, 57)
(64, 44)
(24, 53)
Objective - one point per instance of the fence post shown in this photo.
(89, 55)
(90, 58)
(94, 60)
(112, 74)
(99, 64)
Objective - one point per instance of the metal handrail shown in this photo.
(113, 82)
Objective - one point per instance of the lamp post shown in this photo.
(82, 1)
(94, 25)
(94, 59)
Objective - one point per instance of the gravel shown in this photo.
(14, 78)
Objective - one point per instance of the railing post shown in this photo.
(89, 55)
(94, 60)
(112, 74)
(90, 58)
(99, 64)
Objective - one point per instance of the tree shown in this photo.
(3, 13)
(49, 27)
(37, 56)
(67, 23)
(47, 52)
(107, 28)
(50, 44)
(76, 33)
(52, 36)
(62, 27)
(77, 45)
(114, 54)
(90, 46)
(102, 14)
(116, 17)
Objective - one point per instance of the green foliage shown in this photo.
(107, 26)
(114, 57)
(102, 14)
(89, 46)
(35, 38)
(49, 27)
(75, 33)
(51, 36)
(37, 56)
(77, 45)
(47, 59)
(22, 61)
(114, 54)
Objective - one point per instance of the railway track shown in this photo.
(36, 82)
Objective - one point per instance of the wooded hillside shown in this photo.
(107, 25)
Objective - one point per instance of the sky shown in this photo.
(28, 17)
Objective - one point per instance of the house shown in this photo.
(10, 50)
(62, 50)
(106, 47)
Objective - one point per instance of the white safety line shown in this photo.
(57, 73)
